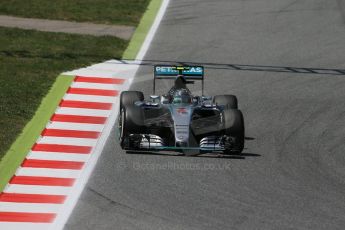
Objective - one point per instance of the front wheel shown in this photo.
(131, 121)
(128, 98)
(234, 131)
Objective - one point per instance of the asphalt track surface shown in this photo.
(291, 174)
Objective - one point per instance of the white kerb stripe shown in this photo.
(96, 86)
(36, 189)
(67, 141)
(89, 98)
(37, 155)
(75, 126)
(29, 207)
(83, 112)
(24, 226)
(59, 173)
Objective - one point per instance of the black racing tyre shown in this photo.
(128, 98)
(234, 130)
(228, 101)
(131, 121)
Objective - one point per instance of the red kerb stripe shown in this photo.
(99, 80)
(33, 163)
(45, 181)
(70, 133)
(98, 92)
(85, 105)
(78, 119)
(27, 217)
(62, 148)
(32, 198)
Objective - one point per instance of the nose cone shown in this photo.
(181, 144)
(181, 117)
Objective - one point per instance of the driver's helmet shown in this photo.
(182, 96)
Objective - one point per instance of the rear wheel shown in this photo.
(234, 130)
(228, 101)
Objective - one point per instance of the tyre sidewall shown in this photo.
(228, 101)
(234, 127)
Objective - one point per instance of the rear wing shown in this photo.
(172, 72)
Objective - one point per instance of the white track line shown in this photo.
(36, 189)
(75, 126)
(83, 112)
(153, 30)
(53, 156)
(109, 66)
(92, 72)
(59, 173)
(67, 141)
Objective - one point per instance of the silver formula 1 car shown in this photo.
(179, 121)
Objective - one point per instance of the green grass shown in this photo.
(29, 64)
(19, 149)
(140, 33)
(126, 12)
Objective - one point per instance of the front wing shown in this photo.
(152, 142)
